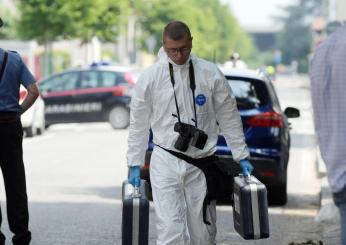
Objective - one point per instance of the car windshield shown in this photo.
(249, 93)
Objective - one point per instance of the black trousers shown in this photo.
(12, 167)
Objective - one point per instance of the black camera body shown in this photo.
(189, 133)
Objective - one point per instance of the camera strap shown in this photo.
(192, 87)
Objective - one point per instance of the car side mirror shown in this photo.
(292, 112)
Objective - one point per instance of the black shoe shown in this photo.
(22, 239)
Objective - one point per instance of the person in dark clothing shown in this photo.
(13, 73)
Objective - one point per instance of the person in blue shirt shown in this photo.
(13, 73)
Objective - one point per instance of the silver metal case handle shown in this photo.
(136, 193)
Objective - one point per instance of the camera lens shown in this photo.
(199, 139)
(182, 143)
(177, 127)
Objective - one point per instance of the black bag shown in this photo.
(219, 178)
(219, 181)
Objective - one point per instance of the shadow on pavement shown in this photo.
(99, 223)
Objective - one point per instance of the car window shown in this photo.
(274, 95)
(108, 79)
(249, 93)
(89, 79)
(121, 80)
(62, 82)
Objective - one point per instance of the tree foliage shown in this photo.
(49, 20)
(99, 18)
(295, 40)
(8, 30)
(215, 31)
(46, 20)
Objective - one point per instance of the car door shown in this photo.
(89, 97)
(58, 94)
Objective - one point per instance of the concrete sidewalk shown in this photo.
(328, 215)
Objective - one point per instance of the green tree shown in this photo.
(50, 20)
(99, 18)
(222, 29)
(155, 14)
(8, 30)
(216, 32)
(46, 21)
(295, 40)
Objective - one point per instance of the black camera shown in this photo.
(189, 133)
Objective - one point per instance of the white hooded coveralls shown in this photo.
(178, 187)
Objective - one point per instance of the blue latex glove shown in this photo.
(134, 176)
(246, 167)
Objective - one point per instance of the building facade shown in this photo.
(337, 10)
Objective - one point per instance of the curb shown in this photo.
(328, 215)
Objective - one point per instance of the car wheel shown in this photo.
(278, 195)
(29, 131)
(119, 117)
(40, 131)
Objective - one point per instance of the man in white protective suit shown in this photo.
(166, 101)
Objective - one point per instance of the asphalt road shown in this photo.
(75, 171)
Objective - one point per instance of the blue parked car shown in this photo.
(266, 131)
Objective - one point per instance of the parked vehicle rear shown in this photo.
(33, 120)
